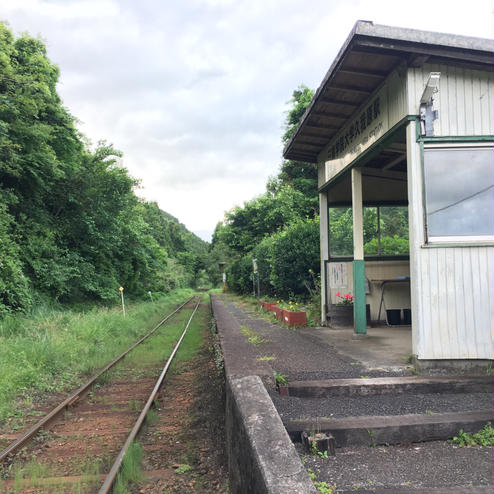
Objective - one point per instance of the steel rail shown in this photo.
(78, 392)
(110, 478)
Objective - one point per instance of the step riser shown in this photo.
(383, 389)
(391, 430)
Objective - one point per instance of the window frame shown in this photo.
(451, 240)
(368, 257)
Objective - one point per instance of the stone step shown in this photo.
(388, 385)
(392, 429)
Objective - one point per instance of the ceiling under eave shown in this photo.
(369, 55)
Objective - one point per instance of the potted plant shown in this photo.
(341, 313)
(292, 315)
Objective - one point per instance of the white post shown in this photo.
(359, 311)
(357, 211)
(123, 303)
(324, 244)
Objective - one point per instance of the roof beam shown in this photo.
(394, 162)
(366, 72)
(339, 116)
(350, 89)
(322, 126)
(333, 101)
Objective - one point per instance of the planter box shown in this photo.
(261, 303)
(341, 316)
(294, 318)
(277, 311)
(269, 305)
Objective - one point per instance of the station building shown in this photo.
(403, 125)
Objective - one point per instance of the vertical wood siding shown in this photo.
(452, 287)
(465, 99)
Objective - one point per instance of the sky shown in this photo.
(195, 92)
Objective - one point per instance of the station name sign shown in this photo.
(363, 129)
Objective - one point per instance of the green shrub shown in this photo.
(295, 253)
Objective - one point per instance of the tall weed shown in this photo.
(53, 350)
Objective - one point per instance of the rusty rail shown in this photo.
(77, 393)
(110, 479)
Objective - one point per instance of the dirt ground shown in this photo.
(183, 440)
(184, 451)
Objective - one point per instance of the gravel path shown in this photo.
(431, 464)
(299, 353)
(349, 406)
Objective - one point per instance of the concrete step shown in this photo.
(392, 429)
(388, 385)
(484, 489)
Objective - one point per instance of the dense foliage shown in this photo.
(71, 227)
(279, 229)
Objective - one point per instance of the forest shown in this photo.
(72, 229)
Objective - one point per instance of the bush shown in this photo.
(295, 253)
(239, 275)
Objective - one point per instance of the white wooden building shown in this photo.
(405, 119)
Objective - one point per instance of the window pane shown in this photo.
(459, 186)
(340, 232)
(394, 230)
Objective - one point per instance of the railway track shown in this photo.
(88, 432)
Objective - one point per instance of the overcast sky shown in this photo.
(194, 91)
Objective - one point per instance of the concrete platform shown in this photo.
(383, 348)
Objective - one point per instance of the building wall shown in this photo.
(465, 99)
(452, 288)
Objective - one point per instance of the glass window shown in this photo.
(340, 232)
(459, 189)
(391, 238)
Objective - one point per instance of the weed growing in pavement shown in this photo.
(355, 363)
(252, 337)
(280, 379)
(321, 486)
(485, 437)
(53, 350)
(266, 358)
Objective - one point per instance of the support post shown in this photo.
(324, 236)
(359, 316)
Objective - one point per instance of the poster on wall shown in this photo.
(337, 275)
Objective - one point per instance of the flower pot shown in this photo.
(341, 316)
(294, 318)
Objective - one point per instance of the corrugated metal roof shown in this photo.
(370, 53)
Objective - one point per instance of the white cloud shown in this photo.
(194, 92)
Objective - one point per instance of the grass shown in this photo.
(252, 337)
(54, 350)
(266, 358)
(485, 437)
(130, 471)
